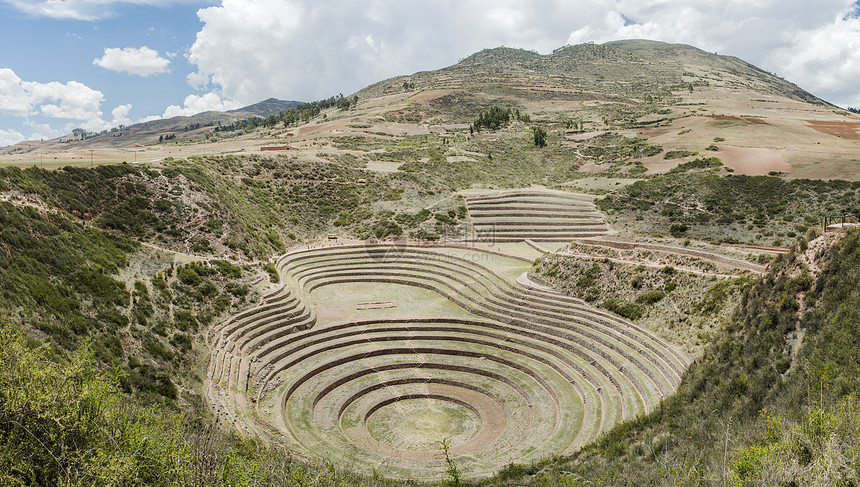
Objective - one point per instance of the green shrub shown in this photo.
(539, 136)
(181, 341)
(101, 286)
(185, 321)
(493, 119)
(385, 228)
(650, 297)
(716, 295)
(188, 276)
(237, 290)
(678, 154)
(274, 276)
(626, 309)
(678, 230)
(700, 163)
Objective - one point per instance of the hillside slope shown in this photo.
(626, 71)
(772, 401)
(677, 97)
(148, 133)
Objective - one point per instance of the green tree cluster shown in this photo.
(539, 136)
(493, 119)
(303, 113)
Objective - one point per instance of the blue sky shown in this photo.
(42, 49)
(159, 58)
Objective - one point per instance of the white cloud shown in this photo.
(42, 131)
(249, 50)
(317, 49)
(80, 106)
(195, 104)
(10, 137)
(197, 80)
(739, 27)
(825, 60)
(79, 9)
(72, 100)
(14, 101)
(141, 61)
(120, 115)
(817, 47)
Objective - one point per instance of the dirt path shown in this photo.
(24, 200)
(701, 254)
(646, 264)
(182, 257)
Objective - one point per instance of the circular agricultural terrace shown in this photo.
(545, 215)
(369, 355)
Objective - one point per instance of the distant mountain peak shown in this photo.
(640, 65)
(270, 106)
(501, 54)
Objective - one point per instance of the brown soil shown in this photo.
(492, 414)
(754, 120)
(654, 132)
(375, 305)
(753, 161)
(661, 166)
(592, 168)
(332, 313)
(845, 130)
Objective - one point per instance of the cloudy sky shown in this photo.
(96, 64)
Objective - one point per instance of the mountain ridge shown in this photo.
(153, 128)
(659, 63)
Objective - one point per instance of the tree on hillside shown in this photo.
(493, 119)
(540, 136)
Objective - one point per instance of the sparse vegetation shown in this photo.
(730, 208)
(737, 419)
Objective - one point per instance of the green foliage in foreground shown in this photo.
(59, 280)
(48, 262)
(821, 448)
(704, 197)
(64, 422)
(246, 205)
